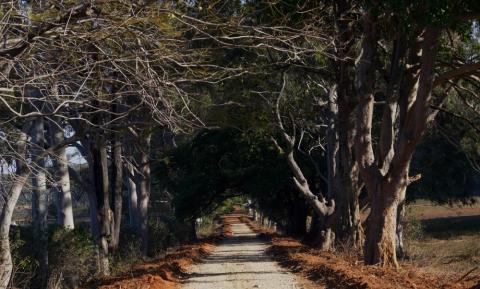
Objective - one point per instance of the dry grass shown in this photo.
(444, 240)
(446, 257)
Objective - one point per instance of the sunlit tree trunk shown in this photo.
(400, 225)
(322, 206)
(132, 197)
(117, 187)
(62, 178)
(144, 191)
(20, 178)
(386, 174)
(40, 203)
(348, 226)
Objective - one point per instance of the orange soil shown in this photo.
(326, 268)
(160, 274)
(168, 272)
(347, 272)
(339, 271)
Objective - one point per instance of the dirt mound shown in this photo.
(340, 272)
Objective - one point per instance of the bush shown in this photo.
(414, 229)
(71, 257)
(128, 252)
(162, 236)
(24, 265)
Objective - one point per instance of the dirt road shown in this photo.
(240, 262)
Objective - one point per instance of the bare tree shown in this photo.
(323, 207)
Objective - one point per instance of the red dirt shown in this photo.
(346, 272)
(165, 273)
(340, 271)
(168, 272)
(323, 268)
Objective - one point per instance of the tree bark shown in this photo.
(132, 197)
(401, 253)
(144, 192)
(381, 239)
(323, 207)
(63, 178)
(386, 177)
(117, 190)
(20, 179)
(348, 225)
(40, 203)
(100, 169)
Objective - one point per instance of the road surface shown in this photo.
(240, 262)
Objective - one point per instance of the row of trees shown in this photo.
(353, 84)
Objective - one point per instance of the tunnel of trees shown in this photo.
(123, 122)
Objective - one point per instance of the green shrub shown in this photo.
(414, 229)
(72, 257)
(162, 235)
(128, 252)
(24, 265)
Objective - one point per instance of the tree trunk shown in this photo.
(100, 168)
(193, 229)
(40, 204)
(63, 178)
(132, 197)
(324, 237)
(332, 143)
(401, 253)
(324, 207)
(92, 202)
(348, 225)
(89, 186)
(21, 177)
(144, 197)
(380, 244)
(117, 190)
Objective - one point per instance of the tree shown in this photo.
(408, 96)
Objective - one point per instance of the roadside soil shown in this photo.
(341, 270)
(243, 259)
(169, 271)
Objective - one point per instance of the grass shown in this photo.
(443, 240)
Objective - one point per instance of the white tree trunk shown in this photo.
(21, 177)
(132, 197)
(63, 179)
(144, 196)
(40, 201)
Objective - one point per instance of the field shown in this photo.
(444, 240)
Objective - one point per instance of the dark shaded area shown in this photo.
(451, 227)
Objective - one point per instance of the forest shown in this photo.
(129, 129)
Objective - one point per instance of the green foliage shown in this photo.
(71, 255)
(163, 235)
(429, 12)
(210, 172)
(445, 173)
(24, 264)
(413, 229)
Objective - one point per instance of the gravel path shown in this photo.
(240, 262)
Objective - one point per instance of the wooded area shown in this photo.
(124, 124)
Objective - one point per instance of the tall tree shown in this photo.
(406, 112)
